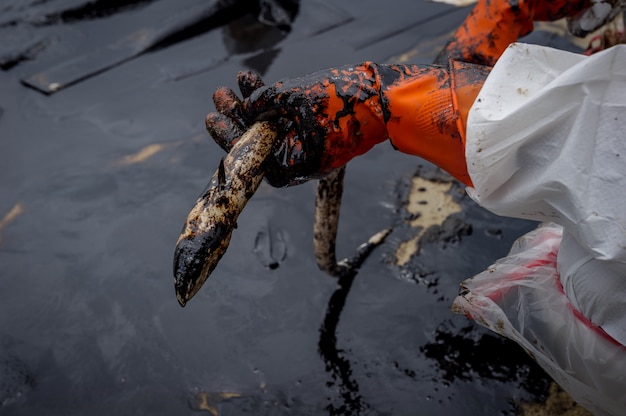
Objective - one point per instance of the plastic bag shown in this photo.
(521, 298)
(546, 142)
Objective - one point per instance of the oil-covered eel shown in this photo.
(210, 223)
(327, 207)
(326, 221)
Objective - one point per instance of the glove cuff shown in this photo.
(428, 113)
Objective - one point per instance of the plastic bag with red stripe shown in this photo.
(521, 298)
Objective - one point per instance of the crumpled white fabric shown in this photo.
(546, 140)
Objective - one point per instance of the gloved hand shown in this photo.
(328, 117)
(591, 18)
(492, 25)
(324, 119)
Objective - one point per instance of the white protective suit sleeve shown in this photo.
(546, 140)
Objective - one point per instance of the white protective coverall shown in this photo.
(546, 141)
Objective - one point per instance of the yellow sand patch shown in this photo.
(142, 155)
(430, 203)
(208, 402)
(558, 402)
(12, 214)
(150, 150)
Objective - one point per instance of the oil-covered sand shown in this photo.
(103, 152)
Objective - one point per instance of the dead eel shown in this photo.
(326, 223)
(210, 223)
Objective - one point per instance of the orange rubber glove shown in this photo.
(492, 25)
(327, 118)
(429, 113)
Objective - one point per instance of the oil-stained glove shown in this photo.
(324, 119)
(328, 117)
(599, 13)
(492, 25)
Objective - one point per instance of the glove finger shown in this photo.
(249, 81)
(224, 131)
(227, 103)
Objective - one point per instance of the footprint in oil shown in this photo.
(270, 247)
